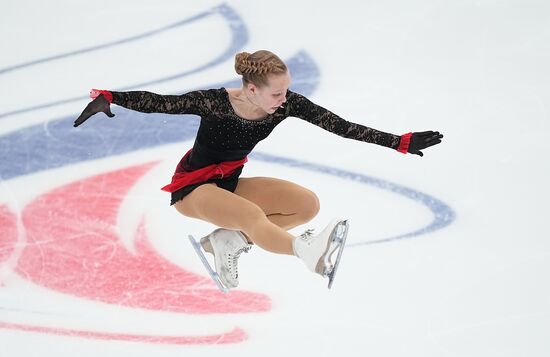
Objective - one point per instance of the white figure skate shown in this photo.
(226, 246)
(317, 250)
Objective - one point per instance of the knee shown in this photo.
(309, 206)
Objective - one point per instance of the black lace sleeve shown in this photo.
(301, 107)
(196, 102)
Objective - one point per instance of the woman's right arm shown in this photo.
(146, 102)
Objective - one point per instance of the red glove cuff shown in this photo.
(94, 93)
(404, 143)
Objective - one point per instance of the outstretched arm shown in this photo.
(145, 102)
(301, 107)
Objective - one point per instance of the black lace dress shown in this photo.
(224, 136)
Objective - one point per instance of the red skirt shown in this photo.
(182, 178)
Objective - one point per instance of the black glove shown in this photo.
(100, 104)
(422, 140)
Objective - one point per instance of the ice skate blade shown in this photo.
(340, 235)
(207, 265)
(324, 266)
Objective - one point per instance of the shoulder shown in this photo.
(294, 99)
(207, 98)
(293, 96)
(297, 103)
(213, 93)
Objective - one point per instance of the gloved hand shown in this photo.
(422, 140)
(99, 104)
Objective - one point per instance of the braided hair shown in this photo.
(256, 67)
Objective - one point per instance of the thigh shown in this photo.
(276, 196)
(219, 207)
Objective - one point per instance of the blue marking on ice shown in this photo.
(56, 143)
(443, 215)
(239, 37)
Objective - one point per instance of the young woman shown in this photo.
(207, 183)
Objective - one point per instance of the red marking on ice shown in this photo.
(8, 235)
(72, 247)
(235, 335)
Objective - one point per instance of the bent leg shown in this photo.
(228, 210)
(284, 203)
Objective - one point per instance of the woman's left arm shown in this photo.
(301, 107)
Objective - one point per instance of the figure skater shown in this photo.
(250, 210)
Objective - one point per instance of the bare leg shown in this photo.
(228, 210)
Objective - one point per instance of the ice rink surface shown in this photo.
(448, 255)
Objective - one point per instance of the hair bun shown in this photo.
(241, 62)
(256, 67)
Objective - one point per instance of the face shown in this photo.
(272, 96)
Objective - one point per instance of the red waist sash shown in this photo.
(182, 178)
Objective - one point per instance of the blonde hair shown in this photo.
(256, 67)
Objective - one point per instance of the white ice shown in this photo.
(475, 70)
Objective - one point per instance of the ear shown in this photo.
(251, 88)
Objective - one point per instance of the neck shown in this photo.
(249, 99)
(254, 108)
(245, 105)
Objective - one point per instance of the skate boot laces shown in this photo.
(226, 247)
(232, 260)
(307, 235)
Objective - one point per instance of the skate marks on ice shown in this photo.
(58, 244)
(74, 249)
(84, 239)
